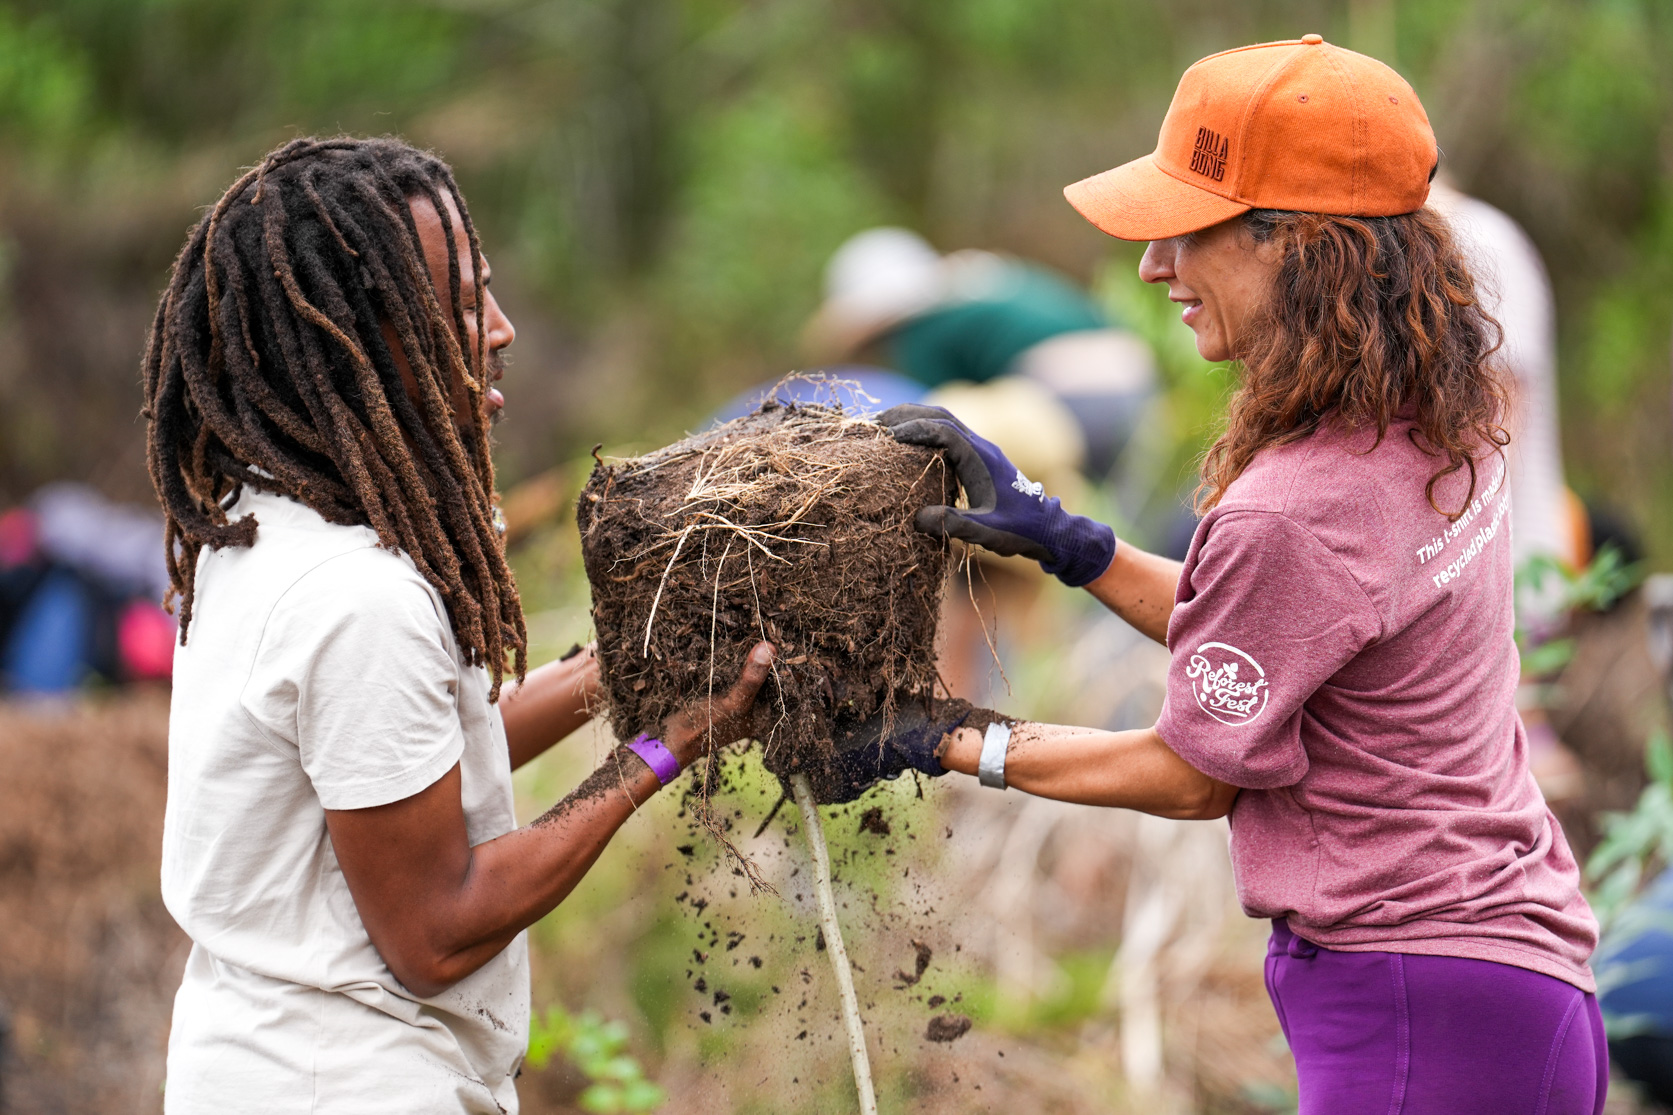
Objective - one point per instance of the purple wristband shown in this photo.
(656, 756)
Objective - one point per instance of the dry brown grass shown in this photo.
(90, 959)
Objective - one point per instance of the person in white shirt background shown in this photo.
(1549, 520)
(1517, 292)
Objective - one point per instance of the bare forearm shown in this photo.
(437, 909)
(513, 881)
(1128, 770)
(551, 702)
(1139, 587)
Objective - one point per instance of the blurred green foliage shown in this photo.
(1596, 588)
(660, 181)
(616, 1082)
(44, 86)
(1636, 844)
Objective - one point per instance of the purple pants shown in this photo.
(1383, 1033)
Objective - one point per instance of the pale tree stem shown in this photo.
(815, 834)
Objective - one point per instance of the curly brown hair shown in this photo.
(1369, 318)
(268, 367)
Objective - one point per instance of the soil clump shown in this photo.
(873, 821)
(947, 1027)
(792, 524)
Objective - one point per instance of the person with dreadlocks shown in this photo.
(339, 842)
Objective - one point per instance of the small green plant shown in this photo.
(1637, 844)
(1595, 588)
(1547, 658)
(599, 1049)
(1607, 578)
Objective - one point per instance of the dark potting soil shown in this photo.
(793, 524)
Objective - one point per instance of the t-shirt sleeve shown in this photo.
(1265, 615)
(356, 669)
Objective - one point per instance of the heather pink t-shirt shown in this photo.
(1344, 653)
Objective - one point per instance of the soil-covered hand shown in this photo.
(1008, 513)
(865, 754)
(704, 724)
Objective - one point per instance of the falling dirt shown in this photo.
(948, 1028)
(793, 524)
(873, 821)
(920, 965)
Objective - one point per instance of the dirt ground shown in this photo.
(90, 959)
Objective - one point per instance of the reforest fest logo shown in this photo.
(1230, 686)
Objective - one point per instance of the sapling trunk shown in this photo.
(815, 833)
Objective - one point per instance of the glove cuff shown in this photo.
(1084, 549)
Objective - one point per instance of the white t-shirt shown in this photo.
(1514, 289)
(320, 672)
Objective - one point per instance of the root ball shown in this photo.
(792, 524)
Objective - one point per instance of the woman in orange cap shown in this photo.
(1343, 672)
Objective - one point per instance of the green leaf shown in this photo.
(548, 1034)
(642, 1095)
(603, 1098)
(1634, 843)
(598, 1048)
(618, 1068)
(1595, 588)
(1548, 658)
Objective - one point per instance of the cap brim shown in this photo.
(1141, 201)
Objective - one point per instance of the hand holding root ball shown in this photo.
(887, 746)
(707, 723)
(1009, 514)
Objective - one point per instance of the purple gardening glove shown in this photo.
(1008, 514)
(865, 755)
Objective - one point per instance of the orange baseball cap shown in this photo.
(1300, 125)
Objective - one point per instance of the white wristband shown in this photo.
(991, 770)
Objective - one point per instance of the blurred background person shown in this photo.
(1026, 358)
(1516, 291)
(976, 318)
(1550, 522)
(80, 581)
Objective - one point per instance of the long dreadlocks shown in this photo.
(268, 366)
